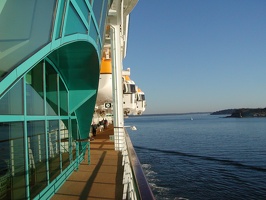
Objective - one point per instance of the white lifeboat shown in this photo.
(129, 96)
(141, 102)
(133, 98)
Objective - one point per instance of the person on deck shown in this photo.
(105, 123)
(94, 129)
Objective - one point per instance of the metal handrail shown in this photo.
(144, 190)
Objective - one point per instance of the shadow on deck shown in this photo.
(102, 178)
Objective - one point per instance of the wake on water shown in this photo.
(162, 191)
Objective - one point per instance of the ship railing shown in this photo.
(135, 183)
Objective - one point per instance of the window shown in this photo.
(12, 169)
(34, 91)
(65, 142)
(51, 90)
(129, 88)
(37, 156)
(63, 95)
(12, 101)
(53, 149)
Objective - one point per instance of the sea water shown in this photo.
(201, 156)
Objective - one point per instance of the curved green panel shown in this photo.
(84, 115)
(78, 64)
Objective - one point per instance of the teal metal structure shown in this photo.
(50, 53)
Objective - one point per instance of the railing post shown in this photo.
(117, 87)
(89, 153)
(77, 155)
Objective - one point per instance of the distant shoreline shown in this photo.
(242, 112)
(234, 113)
(191, 113)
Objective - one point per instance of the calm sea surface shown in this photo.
(209, 157)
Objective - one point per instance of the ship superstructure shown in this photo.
(51, 54)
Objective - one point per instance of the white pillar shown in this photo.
(117, 87)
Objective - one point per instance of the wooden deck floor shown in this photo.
(102, 179)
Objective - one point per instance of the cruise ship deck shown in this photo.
(102, 178)
(49, 94)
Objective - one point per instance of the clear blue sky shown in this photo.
(198, 55)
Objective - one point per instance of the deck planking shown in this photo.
(102, 178)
